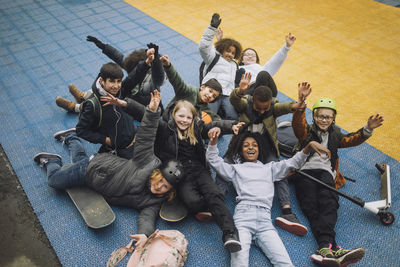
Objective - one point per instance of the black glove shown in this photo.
(215, 20)
(151, 45)
(96, 41)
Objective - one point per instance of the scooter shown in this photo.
(379, 207)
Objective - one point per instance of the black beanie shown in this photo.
(214, 84)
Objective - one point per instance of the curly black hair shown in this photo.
(225, 43)
(133, 59)
(235, 146)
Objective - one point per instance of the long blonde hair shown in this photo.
(189, 132)
(155, 177)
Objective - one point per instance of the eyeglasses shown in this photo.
(326, 118)
(249, 55)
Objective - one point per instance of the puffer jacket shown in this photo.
(126, 182)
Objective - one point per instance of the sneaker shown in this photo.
(325, 257)
(204, 216)
(291, 224)
(42, 158)
(347, 256)
(78, 95)
(60, 135)
(231, 242)
(65, 104)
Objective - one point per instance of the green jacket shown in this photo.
(241, 105)
(186, 92)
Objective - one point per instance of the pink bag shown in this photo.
(162, 248)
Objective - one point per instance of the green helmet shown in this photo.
(325, 102)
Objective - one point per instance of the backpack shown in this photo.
(94, 100)
(209, 68)
(287, 140)
(162, 248)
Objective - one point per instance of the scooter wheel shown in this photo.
(387, 218)
(381, 167)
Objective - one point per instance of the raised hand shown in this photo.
(236, 127)
(304, 90)
(155, 99)
(96, 41)
(112, 100)
(290, 39)
(220, 34)
(374, 121)
(213, 135)
(165, 61)
(215, 20)
(155, 47)
(244, 82)
(150, 56)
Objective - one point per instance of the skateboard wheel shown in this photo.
(387, 218)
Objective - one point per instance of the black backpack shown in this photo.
(209, 68)
(287, 140)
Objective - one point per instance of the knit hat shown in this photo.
(214, 84)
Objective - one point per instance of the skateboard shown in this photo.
(173, 211)
(92, 206)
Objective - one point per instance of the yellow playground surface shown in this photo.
(348, 50)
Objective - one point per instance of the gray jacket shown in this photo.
(126, 182)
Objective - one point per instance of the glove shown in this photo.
(151, 45)
(96, 41)
(215, 20)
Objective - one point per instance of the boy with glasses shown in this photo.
(318, 203)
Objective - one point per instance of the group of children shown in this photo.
(165, 157)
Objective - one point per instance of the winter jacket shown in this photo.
(306, 133)
(126, 182)
(224, 71)
(187, 92)
(94, 125)
(244, 106)
(152, 80)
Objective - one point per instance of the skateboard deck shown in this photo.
(173, 211)
(92, 206)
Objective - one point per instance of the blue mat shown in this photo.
(43, 49)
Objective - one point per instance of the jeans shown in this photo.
(254, 223)
(74, 174)
(223, 107)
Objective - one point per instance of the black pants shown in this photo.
(318, 204)
(200, 193)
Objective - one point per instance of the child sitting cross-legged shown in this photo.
(254, 184)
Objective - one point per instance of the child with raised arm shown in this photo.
(142, 183)
(225, 52)
(319, 204)
(249, 62)
(254, 184)
(208, 92)
(259, 113)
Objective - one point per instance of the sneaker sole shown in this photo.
(204, 217)
(321, 261)
(291, 227)
(351, 257)
(233, 246)
(36, 158)
(57, 134)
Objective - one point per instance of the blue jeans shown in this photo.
(254, 223)
(223, 107)
(74, 174)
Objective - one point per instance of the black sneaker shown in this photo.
(60, 135)
(325, 257)
(347, 256)
(231, 242)
(290, 223)
(42, 158)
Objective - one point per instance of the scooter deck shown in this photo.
(92, 206)
(173, 211)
